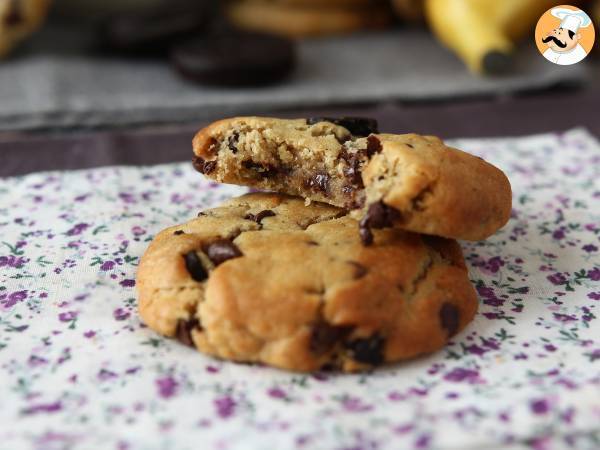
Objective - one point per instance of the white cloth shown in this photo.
(566, 58)
(78, 370)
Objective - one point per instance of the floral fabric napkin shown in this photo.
(78, 369)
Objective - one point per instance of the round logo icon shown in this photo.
(564, 35)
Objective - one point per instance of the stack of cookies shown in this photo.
(302, 18)
(350, 262)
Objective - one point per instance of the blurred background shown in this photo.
(85, 83)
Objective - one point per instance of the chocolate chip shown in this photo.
(324, 337)
(379, 215)
(203, 166)
(183, 331)
(202, 213)
(318, 182)
(358, 126)
(221, 250)
(450, 318)
(410, 145)
(232, 142)
(15, 14)
(312, 243)
(194, 266)
(373, 145)
(367, 350)
(260, 216)
(366, 235)
(359, 270)
(178, 232)
(263, 169)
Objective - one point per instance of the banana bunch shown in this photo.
(18, 19)
(483, 33)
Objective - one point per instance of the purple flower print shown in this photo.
(43, 408)
(120, 314)
(539, 406)
(127, 283)
(557, 278)
(167, 386)
(590, 248)
(89, 334)
(225, 406)
(594, 295)
(12, 261)
(459, 374)
(594, 274)
(564, 317)
(559, 234)
(13, 298)
(138, 231)
(105, 374)
(107, 265)
(67, 316)
(355, 404)
(276, 392)
(78, 229)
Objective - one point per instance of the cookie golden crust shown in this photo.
(265, 278)
(295, 20)
(18, 19)
(409, 181)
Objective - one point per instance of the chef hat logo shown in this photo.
(564, 35)
(570, 19)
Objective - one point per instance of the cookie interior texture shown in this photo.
(266, 279)
(410, 180)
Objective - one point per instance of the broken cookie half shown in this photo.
(408, 181)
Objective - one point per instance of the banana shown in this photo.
(483, 32)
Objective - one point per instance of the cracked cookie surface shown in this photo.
(408, 181)
(264, 278)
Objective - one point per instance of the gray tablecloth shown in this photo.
(56, 83)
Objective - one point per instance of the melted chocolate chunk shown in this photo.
(410, 145)
(324, 337)
(232, 142)
(318, 182)
(203, 166)
(373, 146)
(221, 250)
(194, 266)
(358, 126)
(183, 331)
(367, 350)
(359, 270)
(15, 14)
(379, 215)
(449, 318)
(178, 232)
(262, 169)
(260, 216)
(366, 235)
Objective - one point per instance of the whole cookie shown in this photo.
(18, 19)
(259, 59)
(265, 278)
(410, 181)
(303, 21)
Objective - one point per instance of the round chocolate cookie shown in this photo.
(155, 30)
(302, 21)
(265, 278)
(235, 59)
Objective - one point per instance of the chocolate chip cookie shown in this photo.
(18, 19)
(302, 21)
(265, 278)
(409, 181)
